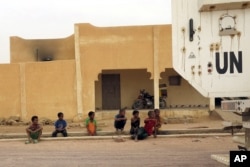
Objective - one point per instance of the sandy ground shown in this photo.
(176, 152)
(154, 152)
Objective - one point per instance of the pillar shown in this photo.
(78, 72)
(211, 103)
(156, 66)
(88, 90)
(23, 92)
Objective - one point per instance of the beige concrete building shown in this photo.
(96, 68)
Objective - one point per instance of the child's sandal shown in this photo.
(27, 142)
(35, 141)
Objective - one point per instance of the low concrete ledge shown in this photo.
(112, 133)
(192, 131)
(222, 158)
(46, 135)
(123, 136)
(239, 139)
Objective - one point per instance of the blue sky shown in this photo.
(39, 19)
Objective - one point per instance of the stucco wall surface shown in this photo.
(30, 50)
(9, 90)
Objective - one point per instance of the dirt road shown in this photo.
(157, 152)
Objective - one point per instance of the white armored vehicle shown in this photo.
(211, 50)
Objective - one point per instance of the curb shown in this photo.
(123, 136)
(110, 133)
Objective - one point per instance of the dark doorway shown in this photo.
(218, 102)
(111, 98)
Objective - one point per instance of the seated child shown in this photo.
(34, 131)
(147, 130)
(158, 120)
(120, 120)
(91, 124)
(135, 124)
(150, 123)
(60, 126)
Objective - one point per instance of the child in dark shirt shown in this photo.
(135, 125)
(120, 120)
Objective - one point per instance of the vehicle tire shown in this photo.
(138, 104)
(163, 103)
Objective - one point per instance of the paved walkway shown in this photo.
(159, 152)
(199, 127)
(182, 144)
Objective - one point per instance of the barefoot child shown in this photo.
(91, 124)
(34, 131)
(60, 126)
(135, 124)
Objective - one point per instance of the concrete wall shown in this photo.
(126, 47)
(30, 50)
(46, 88)
(134, 80)
(165, 113)
(41, 89)
(106, 48)
(72, 84)
(10, 101)
(50, 88)
(183, 94)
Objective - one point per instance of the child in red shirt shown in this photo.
(150, 123)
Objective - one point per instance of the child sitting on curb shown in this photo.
(158, 120)
(60, 126)
(120, 120)
(90, 123)
(150, 124)
(34, 131)
(135, 125)
(149, 127)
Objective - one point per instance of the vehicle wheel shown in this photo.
(138, 104)
(163, 104)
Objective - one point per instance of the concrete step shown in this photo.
(126, 133)
(222, 158)
(125, 137)
(239, 139)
